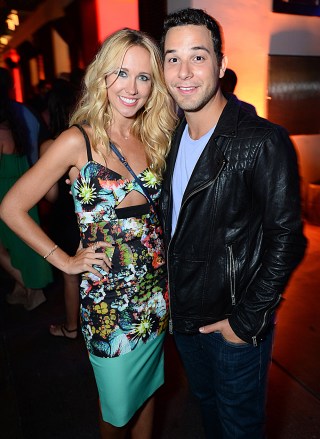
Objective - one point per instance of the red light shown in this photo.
(114, 15)
(16, 75)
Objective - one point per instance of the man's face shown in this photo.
(190, 66)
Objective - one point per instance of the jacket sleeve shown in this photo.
(276, 187)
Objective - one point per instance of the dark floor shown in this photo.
(47, 390)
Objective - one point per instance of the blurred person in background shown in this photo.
(61, 220)
(228, 84)
(29, 271)
(38, 103)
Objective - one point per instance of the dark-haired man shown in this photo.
(231, 210)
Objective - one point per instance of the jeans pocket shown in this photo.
(233, 344)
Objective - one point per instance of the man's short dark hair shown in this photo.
(197, 17)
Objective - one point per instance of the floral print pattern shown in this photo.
(129, 305)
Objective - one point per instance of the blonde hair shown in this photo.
(154, 122)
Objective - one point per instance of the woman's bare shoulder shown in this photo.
(76, 136)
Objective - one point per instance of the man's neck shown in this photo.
(200, 122)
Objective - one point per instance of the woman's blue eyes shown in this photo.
(144, 78)
(124, 74)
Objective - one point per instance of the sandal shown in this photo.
(62, 331)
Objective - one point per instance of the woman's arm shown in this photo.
(67, 151)
(53, 193)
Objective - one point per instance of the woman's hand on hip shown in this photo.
(85, 259)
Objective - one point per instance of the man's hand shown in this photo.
(224, 327)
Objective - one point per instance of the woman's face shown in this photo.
(130, 86)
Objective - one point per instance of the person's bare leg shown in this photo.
(5, 263)
(29, 297)
(143, 423)
(108, 431)
(18, 296)
(71, 300)
(18, 288)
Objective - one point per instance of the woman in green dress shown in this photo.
(29, 271)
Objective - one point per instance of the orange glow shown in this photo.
(41, 73)
(33, 67)
(17, 84)
(16, 76)
(116, 14)
(14, 56)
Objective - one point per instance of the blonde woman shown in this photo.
(115, 152)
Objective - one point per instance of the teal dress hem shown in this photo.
(126, 382)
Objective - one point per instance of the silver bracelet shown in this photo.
(51, 251)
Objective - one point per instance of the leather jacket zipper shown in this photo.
(202, 187)
(170, 326)
(232, 275)
(254, 338)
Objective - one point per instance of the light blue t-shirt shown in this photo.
(188, 155)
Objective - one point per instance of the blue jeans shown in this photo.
(230, 382)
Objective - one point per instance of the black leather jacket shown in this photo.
(239, 232)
